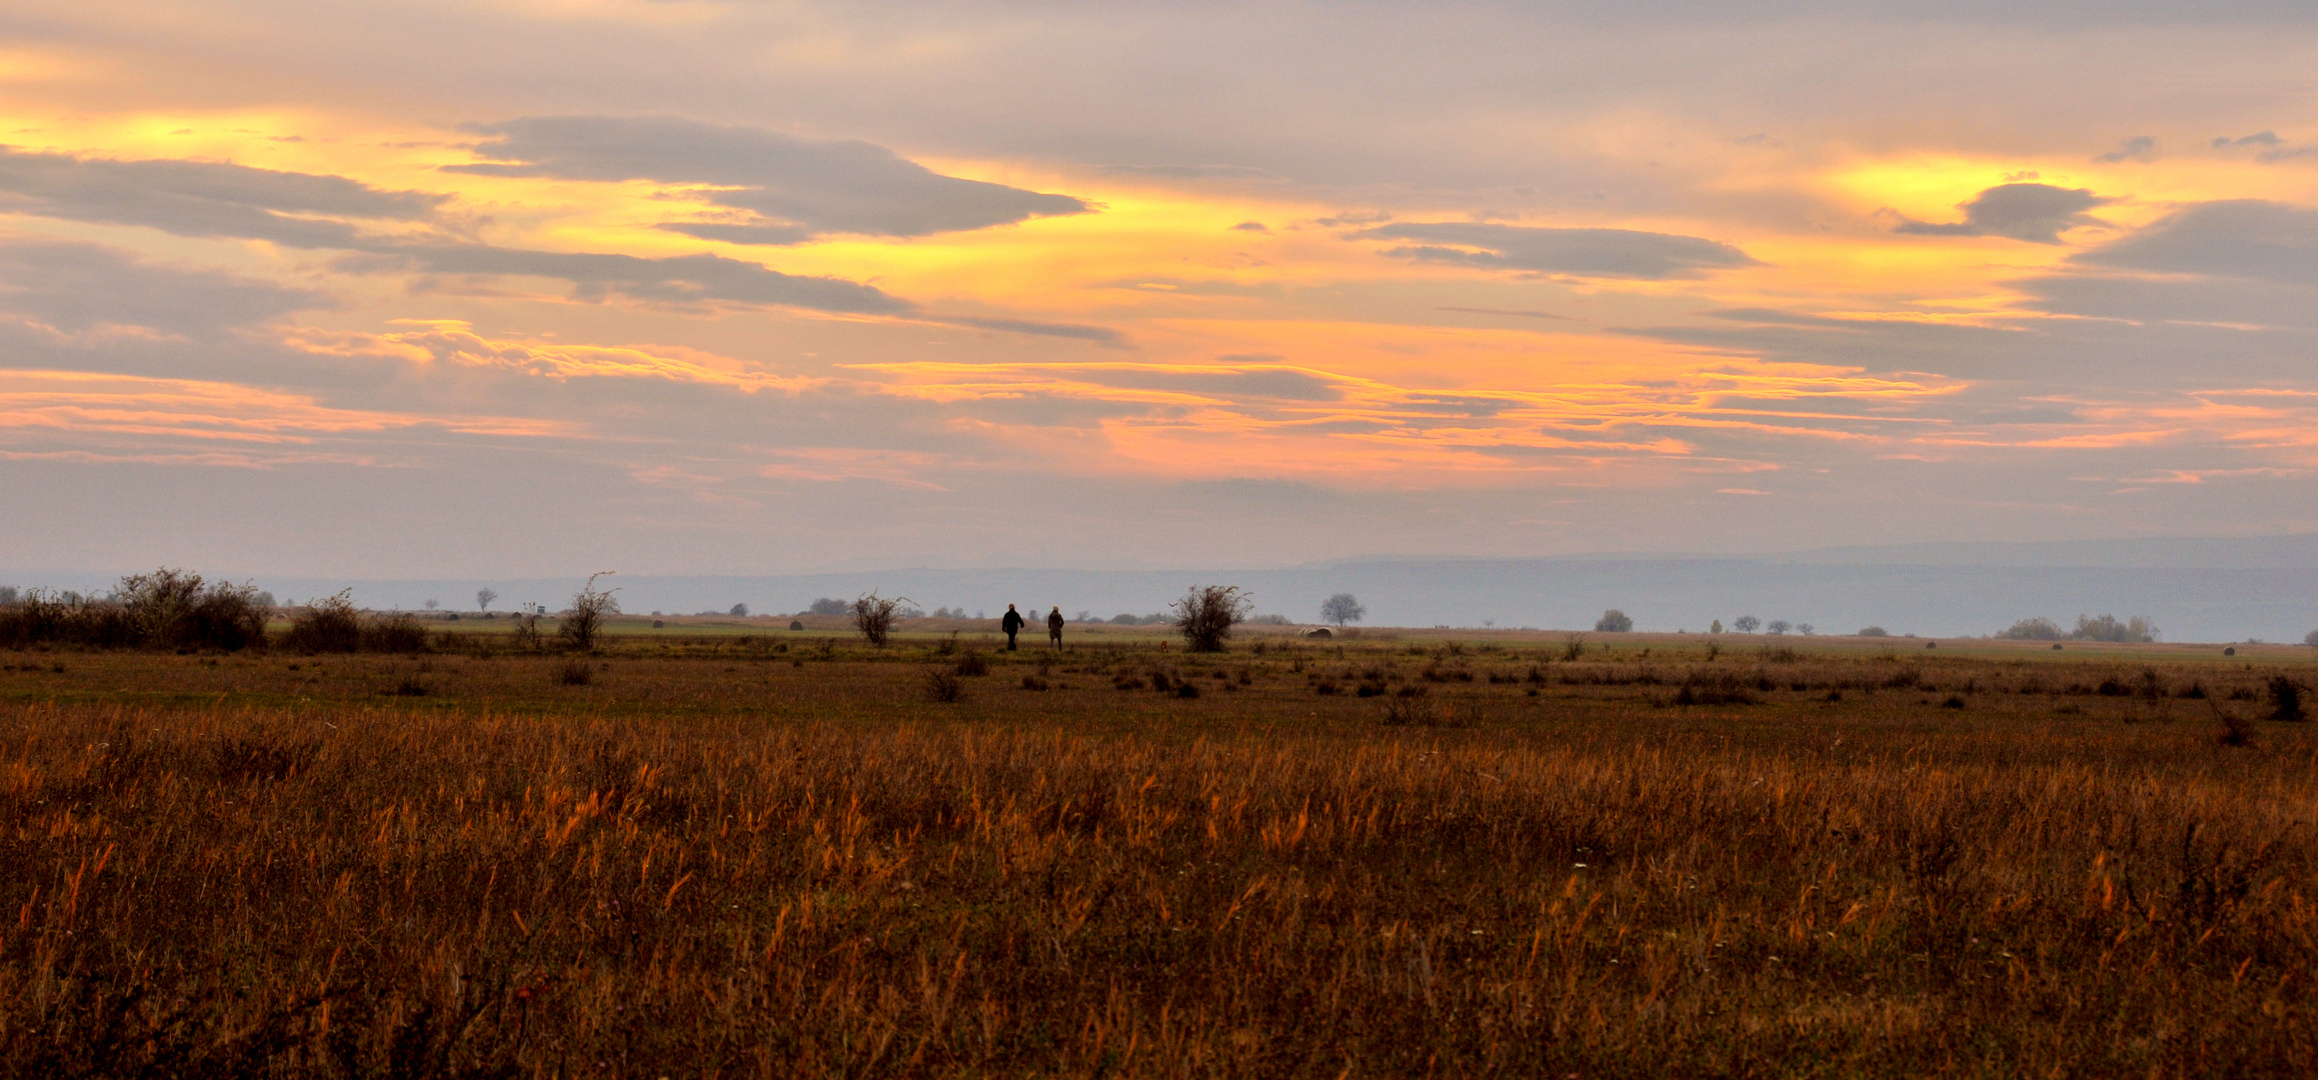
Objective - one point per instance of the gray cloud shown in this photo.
(2037, 213)
(2241, 238)
(74, 287)
(680, 279)
(1100, 335)
(198, 198)
(2137, 148)
(1193, 172)
(799, 186)
(2259, 138)
(210, 199)
(1621, 253)
(1282, 383)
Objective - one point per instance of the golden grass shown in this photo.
(720, 859)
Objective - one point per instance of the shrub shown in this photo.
(1207, 613)
(525, 632)
(1778, 626)
(973, 664)
(173, 609)
(827, 606)
(396, 633)
(945, 686)
(873, 615)
(2038, 629)
(1746, 623)
(1873, 631)
(2311, 639)
(328, 625)
(739, 611)
(2286, 700)
(575, 672)
(590, 607)
(1614, 621)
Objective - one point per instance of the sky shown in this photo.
(539, 287)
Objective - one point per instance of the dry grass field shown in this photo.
(782, 854)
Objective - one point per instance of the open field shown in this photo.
(717, 852)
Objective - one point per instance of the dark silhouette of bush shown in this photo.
(575, 673)
(44, 618)
(590, 608)
(2034, 630)
(1746, 624)
(396, 633)
(2311, 639)
(1207, 613)
(1614, 621)
(945, 686)
(328, 625)
(174, 609)
(166, 609)
(827, 606)
(2286, 700)
(873, 616)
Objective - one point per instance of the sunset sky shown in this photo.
(555, 286)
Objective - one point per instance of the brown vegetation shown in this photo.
(712, 858)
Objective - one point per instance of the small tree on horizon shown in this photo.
(2311, 639)
(873, 616)
(1778, 626)
(589, 608)
(740, 611)
(1746, 623)
(483, 599)
(1342, 608)
(1614, 621)
(1207, 613)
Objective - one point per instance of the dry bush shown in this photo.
(946, 686)
(175, 609)
(973, 663)
(575, 672)
(873, 616)
(397, 632)
(524, 632)
(590, 608)
(328, 625)
(2286, 700)
(1206, 615)
(39, 618)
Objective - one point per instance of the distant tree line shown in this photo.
(2088, 628)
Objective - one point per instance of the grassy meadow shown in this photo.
(748, 851)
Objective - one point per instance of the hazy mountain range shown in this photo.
(2195, 589)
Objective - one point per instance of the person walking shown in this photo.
(1054, 628)
(1012, 624)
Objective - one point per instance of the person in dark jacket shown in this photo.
(1012, 624)
(1054, 628)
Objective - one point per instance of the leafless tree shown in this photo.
(590, 608)
(484, 597)
(1207, 613)
(873, 615)
(1341, 609)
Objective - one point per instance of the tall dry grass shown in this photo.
(364, 889)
